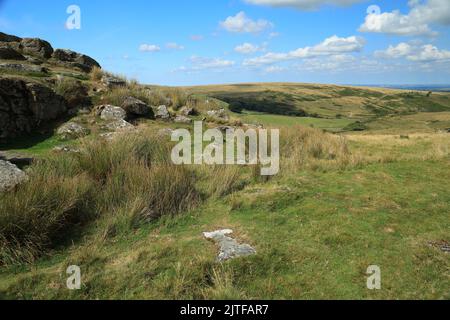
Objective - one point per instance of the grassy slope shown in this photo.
(315, 234)
(326, 101)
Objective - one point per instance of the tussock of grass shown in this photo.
(40, 213)
(307, 148)
(96, 74)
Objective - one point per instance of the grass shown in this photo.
(324, 101)
(283, 121)
(339, 206)
(38, 145)
(313, 242)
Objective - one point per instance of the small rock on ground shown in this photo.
(229, 248)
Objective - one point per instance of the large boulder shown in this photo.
(72, 130)
(25, 106)
(162, 112)
(118, 125)
(10, 176)
(75, 59)
(9, 38)
(111, 113)
(37, 47)
(45, 103)
(8, 53)
(137, 108)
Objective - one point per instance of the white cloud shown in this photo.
(416, 22)
(342, 64)
(424, 53)
(200, 63)
(429, 53)
(248, 48)
(240, 23)
(330, 46)
(149, 48)
(174, 46)
(301, 4)
(393, 52)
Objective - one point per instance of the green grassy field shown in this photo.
(325, 101)
(271, 120)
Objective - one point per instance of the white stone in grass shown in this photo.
(229, 248)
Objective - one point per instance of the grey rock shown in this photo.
(229, 248)
(8, 53)
(136, 107)
(187, 111)
(112, 82)
(9, 38)
(10, 176)
(72, 130)
(25, 106)
(46, 104)
(34, 60)
(441, 245)
(161, 112)
(119, 125)
(74, 59)
(66, 149)
(22, 67)
(183, 119)
(110, 112)
(37, 47)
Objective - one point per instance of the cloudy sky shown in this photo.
(180, 42)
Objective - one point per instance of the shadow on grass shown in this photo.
(25, 142)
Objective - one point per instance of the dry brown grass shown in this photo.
(96, 74)
(305, 148)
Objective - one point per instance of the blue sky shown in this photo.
(179, 42)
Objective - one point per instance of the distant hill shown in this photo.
(325, 101)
